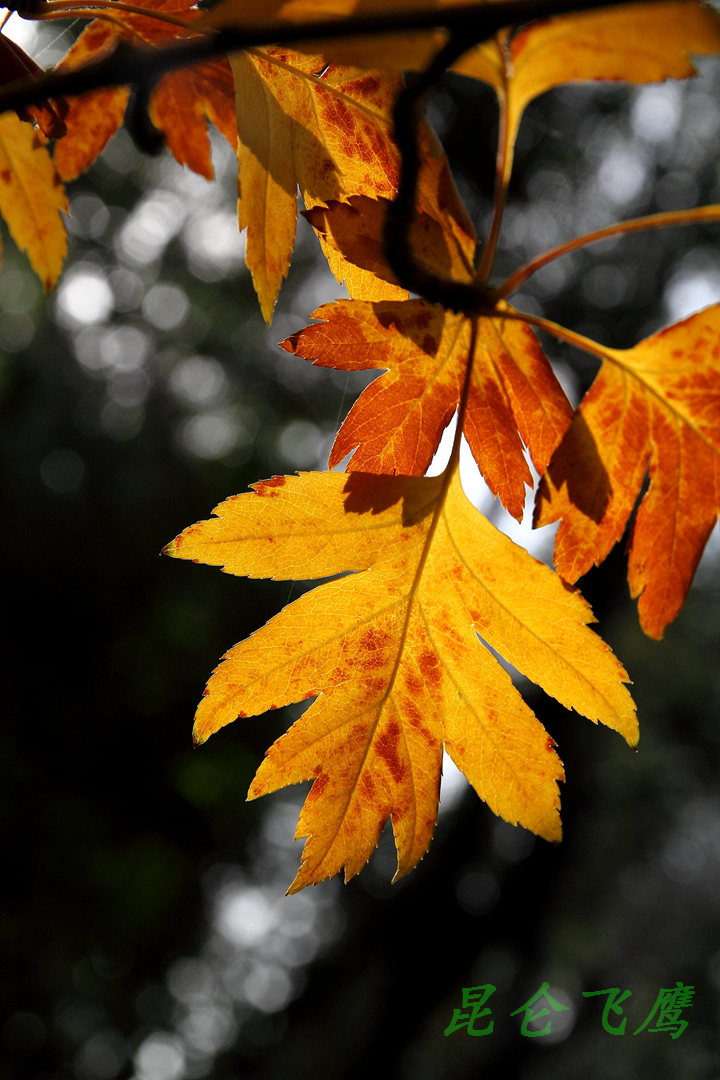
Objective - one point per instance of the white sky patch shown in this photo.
(84, 297)
(538, 542)
(690, 292)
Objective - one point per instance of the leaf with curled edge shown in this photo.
(392, 654)
(657, 403)
(396, 424)
(180, 105)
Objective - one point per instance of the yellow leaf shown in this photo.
(31, 198)
(392, 653)
(638, 43)
(397, 52)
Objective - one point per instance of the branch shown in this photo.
(140, 65)
(408, 112)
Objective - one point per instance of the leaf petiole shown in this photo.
(561, 332)
(652, 221)
(503, 168)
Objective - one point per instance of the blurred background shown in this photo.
(144, 931)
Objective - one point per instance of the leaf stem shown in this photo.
(503, 164)
(652, 221)
(562, 332)
(83, 13)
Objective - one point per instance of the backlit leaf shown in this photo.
(351, 233)
(638, 43)
(392, 654)
(327, 130)
(180, 105)
(656, 404)
(397, 422)
(31, 198)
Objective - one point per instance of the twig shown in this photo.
(136, 64)
(652, 221)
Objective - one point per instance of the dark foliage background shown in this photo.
(143, 931)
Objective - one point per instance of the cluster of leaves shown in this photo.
(398, 648)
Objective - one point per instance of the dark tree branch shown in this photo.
(138, 65)
(408, 113)
(137, 120)
(141, 67)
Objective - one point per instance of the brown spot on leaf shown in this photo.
(413, 683)
(265, 487)
(367, 785)
(430, 667)
(366, 86)
(387, 748)
(413, 714)
(320, 783)
(372, 649)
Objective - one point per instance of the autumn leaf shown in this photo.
(638, 43)
(659, 403)
(31, 198)
(328, 130)
(180, 106)
(396, 424)
(641, 42)
(299, 122)
(392, 653)
(351, 235)
(399, 52)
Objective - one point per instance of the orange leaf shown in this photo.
(179, 105)
(393, 653)
(31, 198)
(397, 421)
(93, 118)
(658, 402)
